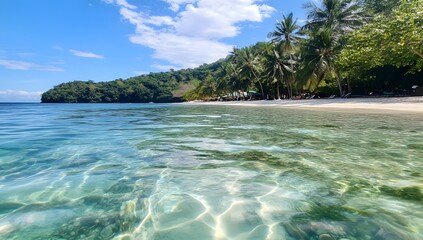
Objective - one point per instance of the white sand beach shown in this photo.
(403, 104)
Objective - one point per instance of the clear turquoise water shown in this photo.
(208, 172)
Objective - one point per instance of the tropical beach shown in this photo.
(211, 120)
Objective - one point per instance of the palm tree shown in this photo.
(327, 27)
(319, 57)
(208, 87)
(250, 67)
(341, 16)
(286, 39)
(285, 34)
(235, 60)
(276, 68)
(228, 81)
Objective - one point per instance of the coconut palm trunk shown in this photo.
(261, 85)
(277, 90)
(339, 80)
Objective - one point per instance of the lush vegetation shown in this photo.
(359, 47)
(346, 46)
(153, 87)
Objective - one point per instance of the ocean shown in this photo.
(177, 171)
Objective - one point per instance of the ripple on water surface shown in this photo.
(204, 172)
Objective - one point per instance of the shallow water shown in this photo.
(208, 172)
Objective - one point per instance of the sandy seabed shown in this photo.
(402, 104)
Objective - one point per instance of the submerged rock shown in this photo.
(383, 234)
(325, 237)
(107, 232)
(89, 227)
(123, 186)
(128, 215)
(323, 228)
(363, 227)
(104, 202)
(295, 232)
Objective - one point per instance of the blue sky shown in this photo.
(47, 42)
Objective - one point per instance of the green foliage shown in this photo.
(191, 95)
(320, 53)
(208, 87)
(393, 39)
(380, 6)
(137, 90)
(327, 88)
(326, 26)
(77, 91)
(153, 87)
(289, 63)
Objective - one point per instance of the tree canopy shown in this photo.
(153, 87)
(380, 6)
(395, 39)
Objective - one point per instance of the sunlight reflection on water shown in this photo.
(158, 172)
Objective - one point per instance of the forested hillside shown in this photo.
(154, 87)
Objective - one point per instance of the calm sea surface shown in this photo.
(208, 172)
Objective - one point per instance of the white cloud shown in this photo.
(122, 3)
(302, 21)
(193, 35)
(85, 54)
(141, 72)
(182, 51)
(176, 4)
(21, 65)
(160, 20)
(163, 67)
(18, 95)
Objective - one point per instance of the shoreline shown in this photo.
(388, 105)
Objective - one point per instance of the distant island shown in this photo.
(344, 49)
